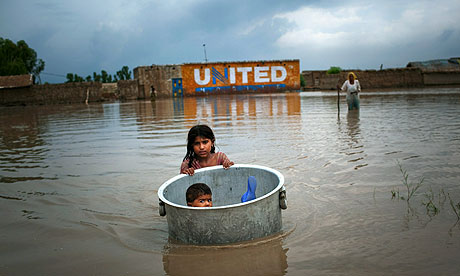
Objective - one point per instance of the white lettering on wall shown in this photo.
(283, 73)
(207, 76)
(260, 74)
(232, 75)
(244, 73)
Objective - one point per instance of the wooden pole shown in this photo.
(87, 96)
(338, 99)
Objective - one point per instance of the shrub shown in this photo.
(334, 70)
(302, 81)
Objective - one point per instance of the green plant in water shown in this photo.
(431, 208)
(395, 193)
(455, 207)
(334, 70)
(411, 187)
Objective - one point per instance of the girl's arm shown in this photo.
(224, 161)
(184, 169)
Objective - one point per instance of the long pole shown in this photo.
(338, 99)
(205, 57)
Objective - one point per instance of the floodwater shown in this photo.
(78, 184)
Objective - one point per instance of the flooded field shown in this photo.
(78, 184)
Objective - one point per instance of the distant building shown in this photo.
(437, 64)
(16, 81)
(192, 79)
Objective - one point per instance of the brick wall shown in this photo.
(442, 77)
(52, 94)
(158, 78)
(128, 89)
(68, 93)
(388, 78)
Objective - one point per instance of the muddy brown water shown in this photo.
(78, 184)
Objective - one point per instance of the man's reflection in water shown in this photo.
(353, 125)
(253, 258)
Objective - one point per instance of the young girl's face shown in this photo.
(202, 146)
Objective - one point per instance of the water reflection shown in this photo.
(227, 107)
(353, 127)
(263, 258)
(21, 147)
(353, 144)
(102, 164)
(27, 135)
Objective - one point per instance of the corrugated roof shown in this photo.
(16, 81)
(436, 64)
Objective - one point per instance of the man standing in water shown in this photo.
(352, 87)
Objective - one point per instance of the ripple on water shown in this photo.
(105, 163)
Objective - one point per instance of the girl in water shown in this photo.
(201, 151)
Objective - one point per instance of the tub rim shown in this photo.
(168, 182)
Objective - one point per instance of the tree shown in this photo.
(104, 76)
(74, 78)
(124, 73)
(334, 70)
(96, 77)
(69, 77)
(18, 59)
(302, 81)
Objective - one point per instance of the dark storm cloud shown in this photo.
(86, 36)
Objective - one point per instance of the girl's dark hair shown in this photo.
(198, 130)
(196, 190)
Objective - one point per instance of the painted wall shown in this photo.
(202, 78)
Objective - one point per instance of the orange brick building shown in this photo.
(193, 79)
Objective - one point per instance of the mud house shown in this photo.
(438, 72)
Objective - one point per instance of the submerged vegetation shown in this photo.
(411, 187)
(455, 207)
(433, 201)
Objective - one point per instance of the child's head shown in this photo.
(199, 132)
(199, 195)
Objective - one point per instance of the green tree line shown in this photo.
(123, 74)
(18, 59)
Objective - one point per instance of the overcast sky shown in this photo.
(89, 36)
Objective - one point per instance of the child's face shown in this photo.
(202, 146)
(202, 201)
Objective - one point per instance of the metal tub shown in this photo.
(229, 220)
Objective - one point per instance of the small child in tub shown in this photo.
(199, 195)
